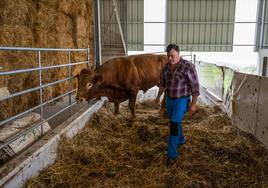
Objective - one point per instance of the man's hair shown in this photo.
(171, 47)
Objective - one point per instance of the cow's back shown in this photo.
(149, 68)
(141, 71)
(119, 73)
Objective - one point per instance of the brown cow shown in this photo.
(121, 78)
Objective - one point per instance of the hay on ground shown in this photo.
(114, 151)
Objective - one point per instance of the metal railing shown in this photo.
(41, 86)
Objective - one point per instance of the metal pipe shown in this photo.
(119, 26)
(194, 59)
(125, 5)
(166, 25)
(34, 108)
(69, 81)
(204, 45)
(40, 49)
(34, 89)
(40, 90)
(27, 130)
(262, 24)
(88, 57)
(97, 32)
(180, 22)
(42, 68)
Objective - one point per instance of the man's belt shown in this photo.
(173, 98)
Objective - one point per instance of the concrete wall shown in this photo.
(244, 97)
(250, 105)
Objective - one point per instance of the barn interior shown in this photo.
(45, 43)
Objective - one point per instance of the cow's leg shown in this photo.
(132, 101)
(116, 106)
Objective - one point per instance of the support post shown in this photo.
(97, 33)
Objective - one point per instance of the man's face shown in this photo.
(173, 56)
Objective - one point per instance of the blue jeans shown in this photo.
(176, 109)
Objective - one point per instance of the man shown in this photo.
(180, 82)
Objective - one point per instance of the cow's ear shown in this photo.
(98, 79)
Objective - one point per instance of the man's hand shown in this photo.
(192, 109)
(193, 106)
(157, 100)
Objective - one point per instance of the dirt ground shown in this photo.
(115, 151)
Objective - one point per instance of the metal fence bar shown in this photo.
(41, 49)
(41, 90)
(119, 25)
(88, 57)
(262, 24)
(220, 45)
(174, 22)
(29, 129)
(35, 88)
(69, 81)
(42, 68)
(41, 87)
(34, 108)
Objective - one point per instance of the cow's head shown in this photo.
(87, 80)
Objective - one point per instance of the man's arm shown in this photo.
(194, 84)
(161, 87)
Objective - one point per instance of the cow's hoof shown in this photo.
(130, 122)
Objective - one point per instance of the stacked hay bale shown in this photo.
(44, 24)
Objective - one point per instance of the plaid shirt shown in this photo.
(183, 82)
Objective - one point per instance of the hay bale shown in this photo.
(81, 28)
(73, 7)
(65, 40)
(46, 19)
(64, 24)
(45, 39)
(16, 35)
(54, 4)
(53, 29)
(17, 13)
